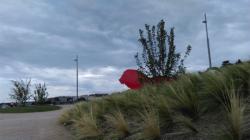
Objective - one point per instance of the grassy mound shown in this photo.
(205, 106)
(29, 109)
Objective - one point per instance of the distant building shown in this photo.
(6, 105)
(98, 94)
(95, 96)
(61, 100)
(72, 99)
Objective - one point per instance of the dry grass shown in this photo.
(118, 122)
(164, 107)
(184, 98)
(151, 128)
(164, 112)
(86, 125)
(235, 114)
(187, 123)
(65, 118)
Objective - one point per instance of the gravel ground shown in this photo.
(33, 126)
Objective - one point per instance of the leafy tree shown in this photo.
(238, 61)
(21, 91)
(40, 93)
(159, 57)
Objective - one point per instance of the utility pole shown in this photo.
(76, 60)
(208, 45)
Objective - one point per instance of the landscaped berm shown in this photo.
(209, 105)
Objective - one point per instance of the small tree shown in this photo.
(226, 63)
(156, 59)
(21, 91)
(40, 93)
(238, 61)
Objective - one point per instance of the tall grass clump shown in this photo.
(184, 98)
(78, 110)
(237, 121)
(151, 127)
(240, 74)
(128, 102)
(66, 117)
(118, 122)
(169, 108)
(74, 113)
(237, 72)
(86, 125)
(165, 116)
(187, 123)
(246, 85)
(213, 89)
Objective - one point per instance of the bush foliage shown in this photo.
(159, 56)
(40, 93)
(21, 91)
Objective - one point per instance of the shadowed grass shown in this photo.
(187, 123)
(184, 98)
(118, 122)
(164, 113)
(151, 128)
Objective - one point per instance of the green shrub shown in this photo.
(40, 93)
(21, 91)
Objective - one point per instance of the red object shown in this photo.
(130, 78)
(135, 80)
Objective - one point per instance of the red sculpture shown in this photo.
(135, 79)
(130, 78)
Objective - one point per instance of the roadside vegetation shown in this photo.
(40, 93)
(21, 93)
(29, 109)
(208, 105)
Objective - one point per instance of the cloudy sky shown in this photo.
(40, 38)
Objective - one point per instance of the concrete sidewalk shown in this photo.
(33, 126)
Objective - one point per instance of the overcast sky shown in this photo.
(40, 38)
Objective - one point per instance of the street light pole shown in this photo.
(208, 45)
(76, 60)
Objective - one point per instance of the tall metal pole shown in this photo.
(76, 77)
(208, 45)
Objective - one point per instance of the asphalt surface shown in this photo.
(33, 126)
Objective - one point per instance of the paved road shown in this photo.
(33, 126)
